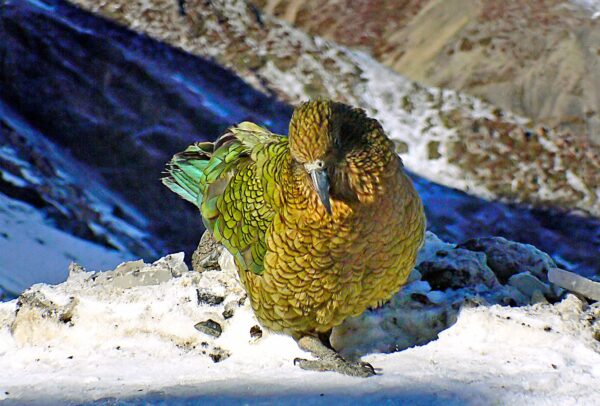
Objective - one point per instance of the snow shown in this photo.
(100, 337)
(384, 93)
(592, 6)
(45, 250)
(35, 244)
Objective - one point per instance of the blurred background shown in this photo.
(494, 107)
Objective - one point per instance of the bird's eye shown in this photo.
(320, 164)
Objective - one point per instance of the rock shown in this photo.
(209, 327)
(218, 354)
(527, 284)
(49, 316)
(75, 269)
(174, 263)
(537, 297)
(129, 266)
(456, 269)
(136, 273)
(46, 308)
(506, 257)
(575, 283)
(208, 298)
(433, 150)
(432, 245)
(415, 275)
(206, 255)
(256, 332)
(230, 310)
(446, 279)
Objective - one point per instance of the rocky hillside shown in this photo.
(537, 58)
(448, 137)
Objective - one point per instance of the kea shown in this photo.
(322, 224)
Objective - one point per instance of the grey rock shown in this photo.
(538, 297)
(208, 298)
(174, 263)
(507, 258)
(129, 266)
(415, 275)
(218, 354)
(230, 310)
(527, 284)
(140, 277)
(206, 256)
(209, 327)
(510, 296)
(75, 269)
(136, 273)
(33, 304)
(455, 269)
(575, 283)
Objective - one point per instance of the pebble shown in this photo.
(209, 327)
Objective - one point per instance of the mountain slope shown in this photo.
(536, 58)
(91, 111)
(447, 137)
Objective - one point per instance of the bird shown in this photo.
(322, 224)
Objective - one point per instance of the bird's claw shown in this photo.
(337, 364)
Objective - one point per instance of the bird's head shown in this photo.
(312, 143)
(332, 142)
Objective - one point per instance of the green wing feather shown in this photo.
(234, 182)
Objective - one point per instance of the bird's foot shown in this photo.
(329, 360)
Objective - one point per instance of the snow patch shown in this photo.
(130, 333)
(593, 6)
(46, 251)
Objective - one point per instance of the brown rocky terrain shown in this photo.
(536, 58)
(447, 137)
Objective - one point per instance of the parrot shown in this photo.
(322, 224)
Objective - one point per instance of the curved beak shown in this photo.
(321, 183)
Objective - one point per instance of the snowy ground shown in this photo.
(128, 336)
(27, 238)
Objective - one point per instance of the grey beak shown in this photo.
(321, 182)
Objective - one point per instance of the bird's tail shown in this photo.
(186, 172)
